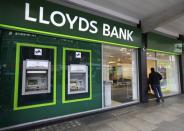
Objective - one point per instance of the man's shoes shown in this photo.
(158, 100)
(162, 99)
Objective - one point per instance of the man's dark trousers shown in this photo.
(157, 91)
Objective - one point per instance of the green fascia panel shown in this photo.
(164, 52)
(163, 44)
(14, 19)
(15, 105)
(63, 78)
(64, 36)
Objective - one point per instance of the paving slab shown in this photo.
(121, 125)
(141, 125)
(168, 126)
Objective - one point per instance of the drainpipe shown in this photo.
(181, 64)
(142, 63)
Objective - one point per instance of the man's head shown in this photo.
(152, 69)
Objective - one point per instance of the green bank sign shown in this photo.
(47, 18)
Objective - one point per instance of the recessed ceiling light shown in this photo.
(111, 62)
(123, 49)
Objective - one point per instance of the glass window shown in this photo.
(167, 66)
(119, 75)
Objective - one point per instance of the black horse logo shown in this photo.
(38, 52)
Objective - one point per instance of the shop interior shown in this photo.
(119, 68)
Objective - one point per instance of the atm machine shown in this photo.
(36, 77)
(77, 78)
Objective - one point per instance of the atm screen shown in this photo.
(32, 82)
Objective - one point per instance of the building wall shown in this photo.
(17, 31)
(10, 116)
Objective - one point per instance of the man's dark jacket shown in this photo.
(154, 78)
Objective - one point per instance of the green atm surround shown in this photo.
(80, 96)
(18, 78)
(10, 113)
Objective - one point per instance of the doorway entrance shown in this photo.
(167, 66)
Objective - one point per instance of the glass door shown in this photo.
(119, 75)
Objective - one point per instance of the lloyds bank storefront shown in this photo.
(57, 62)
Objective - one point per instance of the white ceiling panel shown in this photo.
(176, 25)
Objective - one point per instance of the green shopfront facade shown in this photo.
(57, 62)
(165, 61)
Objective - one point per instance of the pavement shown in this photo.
(151, 116)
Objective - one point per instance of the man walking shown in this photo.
(154, 81)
